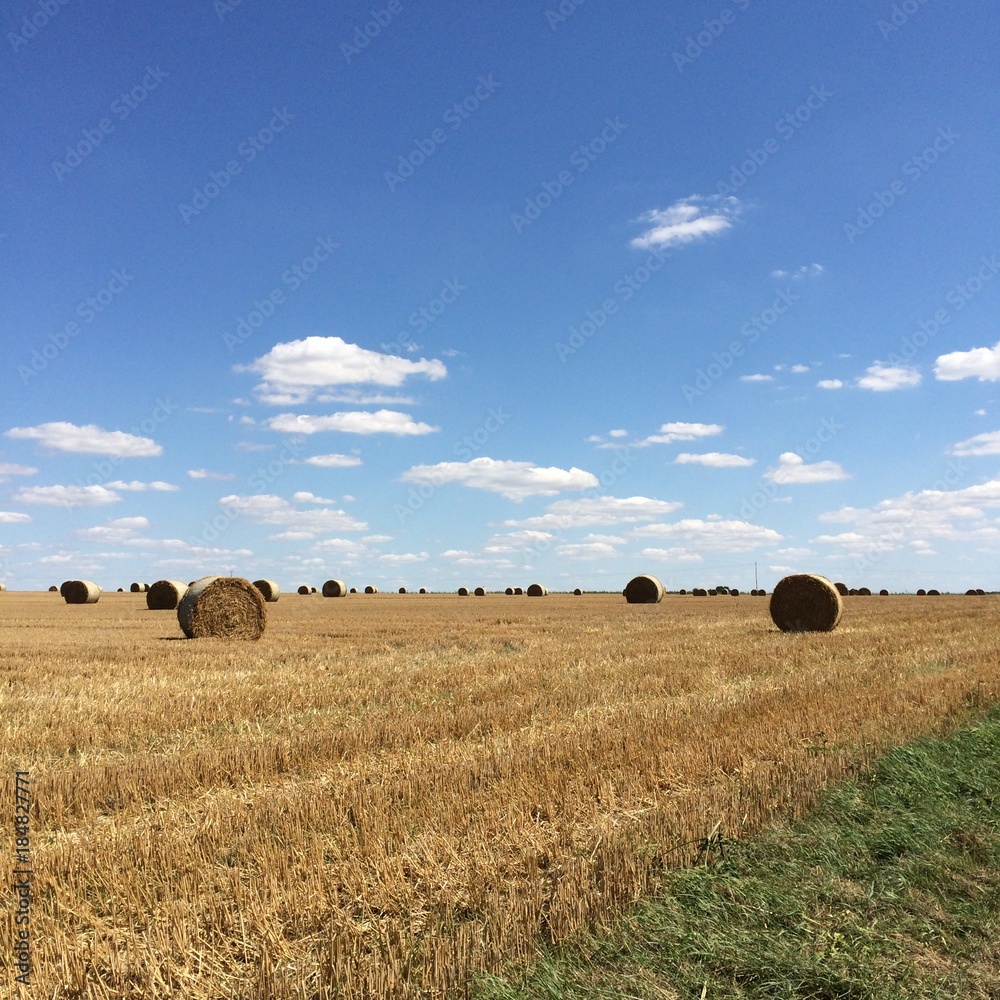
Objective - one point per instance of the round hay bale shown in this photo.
(519, 592)
(334, 588)
(313, 590)
(981, 593)
(165, 595)
(222, 607)
(423, 590)
(841, 589)
(403, 590)
(644, 589)
(864, 592)
(970, 593)
(681, 591)
(537, 590)
(53, 589)
(80, 592)
(921, 593)
(353, 590)
(509, 591)
(121, 590)
(733, 592)
(269, 590)
(3, 587)
(883, 593)
(371, 590)
(806, 602)
(933, 593)
(138, 588)
(480, 592)
(463, 591)
(303, 590)
(713, 593)
(699, 592)
(578, 592)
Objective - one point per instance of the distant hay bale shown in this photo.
(80, 592)
(313, 590)
(864, 592)
(423, 590)
(463, 591)
(269, 590)
(480, 592)
(933, 593)
(971, 593)
(681, 591)
(334, 588)
(537, 590)
(578, 592)
(53, 589)
(883, 593)
(304, 589)
(842, 589)
(371, 590)
(806, 602)
(699, 592)
(981, 593)
(222, 607)
(165, 595)
(509, 591)
(518, 592)
(403, 590)
(644, 589)
(138, 588)
(921, 593)
(121, 590)
(353, 590)
(733, 592)
(713, 593)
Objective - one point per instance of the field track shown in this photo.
(391, 791)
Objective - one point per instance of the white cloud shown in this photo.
(715, 459)
(714, 535)
(13, 469)
(274, 510)
(366, 398)
(12, 517)
(351, 422)
(792, 468)
(594, 511)
(223, 477)
(66, 496)
(981, 444)
(673, 554)
(887, 378)
(982, 363)
(517, 541)
(830, 383)
(757, 378)
(586, 550)
(87, 440)
(806, 271)
(618, 433)
(403, 558)
(333, 461)
(681, 431)
(688, 219)
(292, 372)
(136, 487)
(304, 497)
(799, 369)
(116, 530)
(513, 480)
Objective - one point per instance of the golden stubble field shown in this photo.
(389, 792)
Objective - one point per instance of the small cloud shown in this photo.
(333, 461)
(980, 413)
(757, 378)
(13, 469)
(806, 271)
(135, 486)
(982, 363)
(66, 496)
(221, 477)
(792, 468)
(799, 369)
(513, 480)
(305, 497)
(681, 431)
(830, 383)
(351, 422)
(981, 444)
(887, 378)
(618, 433)
(88, 439)
(715, 459)
(688, 219)
(12, 517)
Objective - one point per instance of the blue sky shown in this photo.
(487, 294)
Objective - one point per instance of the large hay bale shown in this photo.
(806, 602)
(165, 595)
(644, 589)
(841, 589)
(3, 587)
(537, 590)
(463, 591)
(334, 588)
(269, 590)
(371, 590)
(480, 592)
(80, 592)
(222, 607)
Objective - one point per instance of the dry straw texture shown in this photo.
(644, 589)
(80, 592)
(165, 595)
(334, 588)
(269, 590)
(806, 602)
(222, 607)
(537, 590)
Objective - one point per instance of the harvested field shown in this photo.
(408, 791)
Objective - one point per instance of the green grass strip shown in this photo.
(889, 889)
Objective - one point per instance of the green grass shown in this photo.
(889, 889)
